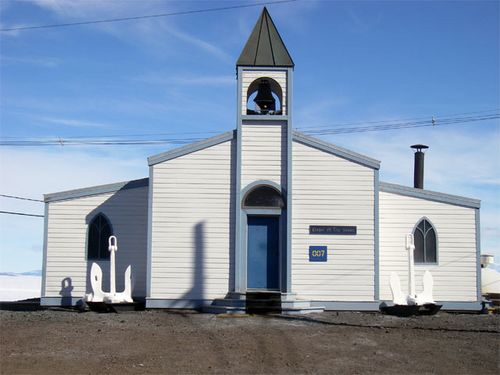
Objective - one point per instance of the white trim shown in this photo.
(149, 259)
(45, 246)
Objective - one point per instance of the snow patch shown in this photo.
(16, 287)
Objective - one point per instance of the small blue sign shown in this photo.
(317, 253)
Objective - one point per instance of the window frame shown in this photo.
(255, 189)
(87, 247)
(415, 228)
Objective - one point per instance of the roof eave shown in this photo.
(188, 149)
(95, 190)
(430, 195)
(336, 150)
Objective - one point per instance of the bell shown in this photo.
(264, 98)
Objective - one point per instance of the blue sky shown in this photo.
(355, 62)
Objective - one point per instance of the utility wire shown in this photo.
(434, 122)
(22, 198)
(307, 128)
(109, 20)
(396, 126)
(20, 213)
(436, 118)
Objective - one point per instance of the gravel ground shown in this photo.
(59, 341)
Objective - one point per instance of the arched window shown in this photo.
(425, 242)
(263, 197)
(97, 243)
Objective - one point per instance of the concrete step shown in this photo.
(229, 302)
(263, 309)
(303, 310)
(214, 309)
(295, 304)
(264, 295)
(219, 309)
(263, 303)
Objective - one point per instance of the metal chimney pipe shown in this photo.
(418, 172)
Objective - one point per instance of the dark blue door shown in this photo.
(263, 252)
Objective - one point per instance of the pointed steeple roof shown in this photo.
(265, 47)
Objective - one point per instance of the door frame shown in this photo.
(241, 255)
(268, 212)
(244, 243)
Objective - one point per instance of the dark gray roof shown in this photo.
(181, 151)
(335, 150)
(95, 190)
(430, 195)
(265, 46)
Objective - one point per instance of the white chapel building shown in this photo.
(263, 208)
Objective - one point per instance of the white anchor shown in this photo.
(97, 294)
(398, 298)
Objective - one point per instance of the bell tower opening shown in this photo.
(264, 97)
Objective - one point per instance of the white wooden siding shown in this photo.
(67, 240)
(192, 226)
(455, 274)
(249, 76)
(263, 153)
(329, 190)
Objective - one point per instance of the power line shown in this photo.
(431, 121)
(20, 213)
(117, 142)
(407, 125)
(109, 20)
(401, 119)
(202, 134)
(21, 198)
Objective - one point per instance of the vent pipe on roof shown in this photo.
(418, 173)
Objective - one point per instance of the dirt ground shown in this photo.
(59, 341)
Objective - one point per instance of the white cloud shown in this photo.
(75, 123)
(147, 32)
(10, 33)
(62, 168)
(455, 161)
(197, 42)
(45, 62)
(362, 24)
(34, 172)
(187, 80)
(317, 110)
(91, 8)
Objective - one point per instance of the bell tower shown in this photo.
(263, 168)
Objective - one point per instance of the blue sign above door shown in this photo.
(318, 253)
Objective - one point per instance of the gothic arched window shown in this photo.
(424, 235)
(99, 232)
(263, 197)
